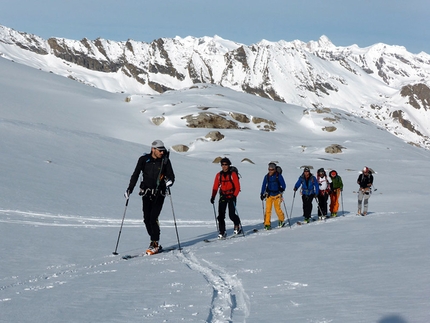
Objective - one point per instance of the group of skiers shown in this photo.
(321, 187)
(158, 176)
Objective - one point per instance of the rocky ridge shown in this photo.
(384, 84)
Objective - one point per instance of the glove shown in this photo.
(262, 196)
(168, 183)
(212, 200)
(127, 193)
(294, 189)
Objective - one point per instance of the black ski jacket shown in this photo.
(364, 180)
(150, 169)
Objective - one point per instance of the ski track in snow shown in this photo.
(230, 303)
(53, 277)
(60, 220)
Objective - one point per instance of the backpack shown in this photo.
(230, 170)
(278, 171)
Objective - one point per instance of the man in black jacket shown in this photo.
(157, 173)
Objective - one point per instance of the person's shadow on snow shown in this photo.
(392, 319)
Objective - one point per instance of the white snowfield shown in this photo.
(67, 153)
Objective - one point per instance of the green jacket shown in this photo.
(336, 182)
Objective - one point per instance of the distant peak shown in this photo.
(322, 43)
(325, 40)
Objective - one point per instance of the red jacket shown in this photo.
(228, 184)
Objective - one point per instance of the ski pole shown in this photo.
(120, 229)
(174, 219)
(292, 204)
(264, 213)
(286, 212)
(341, 198)
(240, 222)
(319, 208)
(216, 221)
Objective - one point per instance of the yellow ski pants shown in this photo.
(276, 201)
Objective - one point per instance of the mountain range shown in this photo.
(384, 84)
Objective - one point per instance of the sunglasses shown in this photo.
(224, 164)
(271, 169)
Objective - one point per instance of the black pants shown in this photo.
(222, 206)
(322, 203)
(151, 206)
(307, 206)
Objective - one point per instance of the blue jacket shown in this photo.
(309, 187)
(273, 184)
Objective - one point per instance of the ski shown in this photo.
(144, 254)
(277, 227)
(231, 237)
(226, 238)
(304, 222)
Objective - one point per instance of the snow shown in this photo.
(67, 153)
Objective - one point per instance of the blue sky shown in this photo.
(344, 22)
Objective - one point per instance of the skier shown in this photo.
(336, 189)
(157, 175)
(272, 188)
(324, 190)
(309, 189)
(365, 180)
(227, 181)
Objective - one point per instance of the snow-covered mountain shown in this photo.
(384, 84)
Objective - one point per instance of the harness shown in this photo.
(151, 192)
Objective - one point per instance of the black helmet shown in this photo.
(225, 160)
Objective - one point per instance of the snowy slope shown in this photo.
(68, 151)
